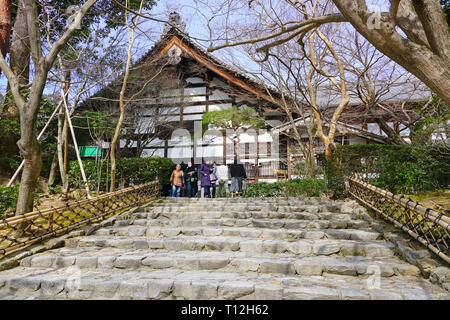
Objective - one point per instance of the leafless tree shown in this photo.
(313, 54)
(414, 34)
(28, 108)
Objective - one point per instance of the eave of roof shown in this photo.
(231, 74)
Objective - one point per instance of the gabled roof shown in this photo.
(198, 53)
(341, 126)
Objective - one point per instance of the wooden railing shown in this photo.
(428, 226)
(21, 231)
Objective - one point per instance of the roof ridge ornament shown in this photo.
(174, 21)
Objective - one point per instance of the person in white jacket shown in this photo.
(222, 179)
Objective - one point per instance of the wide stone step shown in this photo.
(70, 283)
(253, 233)
(242, 215)
(277, 200)
(242, 207)
(225, 261)
(221, 243)
(249, 222)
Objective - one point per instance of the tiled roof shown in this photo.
(165, 38)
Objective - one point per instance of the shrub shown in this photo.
(290, 188)
(9, 196)
(90, 169)
(399, 169)
(129, 171)
(309, 187)
(264, 189)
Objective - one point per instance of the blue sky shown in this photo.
(150, 31)
(196, 26)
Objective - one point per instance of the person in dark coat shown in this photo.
(190, 178)
(238, 174)
(205, 178)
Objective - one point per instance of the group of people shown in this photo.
(212, 177)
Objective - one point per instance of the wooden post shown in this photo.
(207, 97)
(166, 147)
(76, 150)
(66, 135)
(257, 157)
(66, 90)
(288, 157)
(181, 106)
(224, 146)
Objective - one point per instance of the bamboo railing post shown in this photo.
(419, 222)
(45, 220)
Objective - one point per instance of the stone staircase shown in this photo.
(178, 248)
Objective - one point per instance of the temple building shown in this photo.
(170, 88)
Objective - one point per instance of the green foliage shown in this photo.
(91, 171)
(112, 14)
(10, 134)
(264, 189)
(9, 127)
(9, 152)
(141, 170)
(433, 115)
(54, 189)
(233, 119)
(399, 169)
(128, 171)
(8, 198)
(100, 123)
(12, 162)
(290, 188)
(309, 187)
(301, 168)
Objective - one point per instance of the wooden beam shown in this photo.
(181, 106)
(166, 149)
(208, 92)
(288, 157)
(224, 147)
(257, 157)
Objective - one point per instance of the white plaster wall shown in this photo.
(152, 153)
(356, 140)
(218, 107)
(218, 95)
(193, 109)
(194, 80)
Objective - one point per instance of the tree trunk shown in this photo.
(20, 46)
(52, 175)
(62, 132)
(392, 135)
(5, 25)
(19, 54)
(131, 39)
(62, 137)
(424, 54)
(31, 152)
